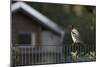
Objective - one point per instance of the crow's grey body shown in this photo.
(75, 36)
(78, 44)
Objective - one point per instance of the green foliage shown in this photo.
(15, 53)
(74, 54)
(92, 54)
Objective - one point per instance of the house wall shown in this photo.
(51, 40)
(23, 24)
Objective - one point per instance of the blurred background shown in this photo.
(83, 17)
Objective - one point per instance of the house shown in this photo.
(38, 37)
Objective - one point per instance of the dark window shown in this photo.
(24, 39)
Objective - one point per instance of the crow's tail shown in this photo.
(85, 46)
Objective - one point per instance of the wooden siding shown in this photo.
(21, 23)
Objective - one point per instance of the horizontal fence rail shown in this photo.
(28, 55)
(47, 54)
